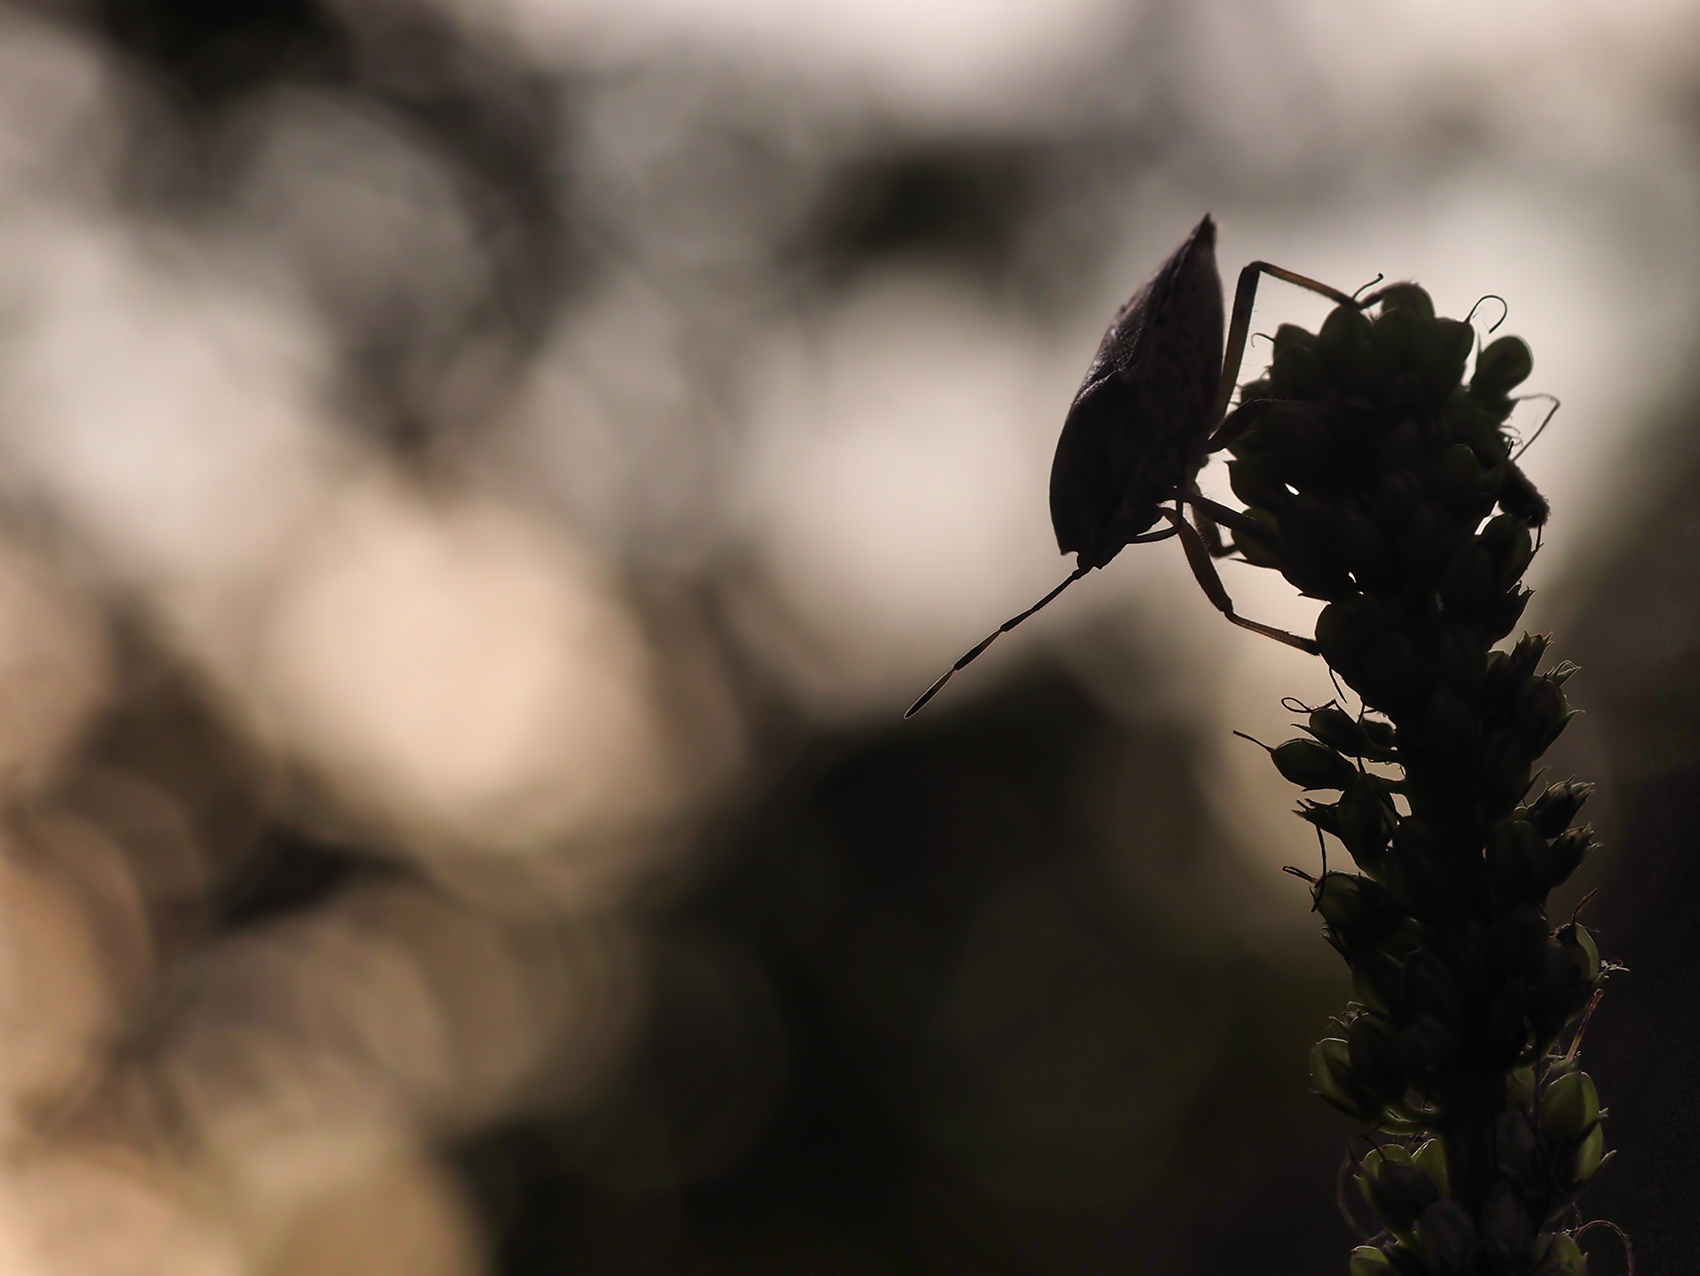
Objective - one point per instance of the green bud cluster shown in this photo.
(1385, 485)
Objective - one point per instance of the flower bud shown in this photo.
(1589, 1156)
(1431, 987)
(1541, 714)
(1348, 351)
(1424, 1047)
(1516, 861)
(1441, 353)
(1459, 659)
(1504, 770)
(1331, 1077)
(1415, 871)
(1564, 1258)
(1447, 1237)
(1367, 1260)
(1522, 1157)
(1522, 941)
(1566, 854)
(1376, 1060)
(1263, 547)
(1309, 520)
(1467, 585)
(1499, 535)
(1404, 301)
(1521, 660)
(1338, 730)
(1563, 991)
(1453, 732)
(1511, 562)
(1311, 765)
(1378, 982)
(1520, 1085)
(1396, 1190)
(1383, 739)
(1501, 617)
(1403, 448)
(1357, 538)
(1553, 811)
(1344, 632)
(1427, 537)
(1314, 573)
(1255, 483)
(1430, 1158)
(1366, 819)
(1393, 674)
(1397, 495)
(1570, 1106)
(1583, 952)
(1296, 370)
(1452, 475)
(1354, 907)
(1500, 368)
(1299, 447)
(1506, 1226)
(1325, 815)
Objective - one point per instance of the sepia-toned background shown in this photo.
(480, 481)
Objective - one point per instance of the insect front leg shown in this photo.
(1198, 558)
(1239, 326)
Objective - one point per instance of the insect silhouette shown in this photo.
(1151, 410)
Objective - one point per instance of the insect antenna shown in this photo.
(973, 653)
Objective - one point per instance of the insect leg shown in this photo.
(1204, 507)
(1201, 520)
(1246, 415)
(973, 653)
(1239, 326)
(1198, 557)
(1210, 534)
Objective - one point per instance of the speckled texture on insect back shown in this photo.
(1142, 410)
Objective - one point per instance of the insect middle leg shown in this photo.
(1204, 523)
(1198, 558)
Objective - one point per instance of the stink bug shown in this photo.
(1153, 407)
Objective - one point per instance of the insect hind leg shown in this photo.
(974, 653)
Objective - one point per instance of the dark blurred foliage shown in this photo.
(1644, 1043)
(494, 122)
(1637, 636)
(967, 202)
(1026, 220)
(921, 1021)
(215, 52)
(163, 738)
(1638, 639)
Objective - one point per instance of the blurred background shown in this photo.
(480, 481)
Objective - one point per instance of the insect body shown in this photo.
(1153, 407)
(1136, 428)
